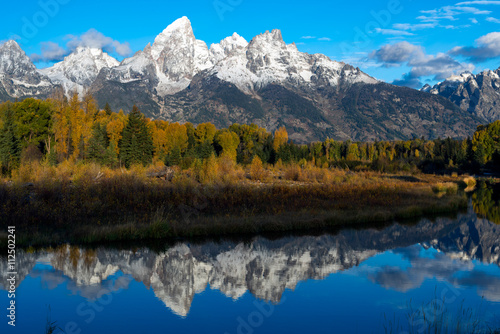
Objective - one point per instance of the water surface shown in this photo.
(356, 281)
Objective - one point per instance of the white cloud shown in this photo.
(50, 52)
(96, 39)
(328, 39)
(478, 2)
(414, 27)
(308, 37)
(492, 19)
(473, 20)
(391, 55)
(440, 66)
(487, 47)
(449, 13)
(393, 32)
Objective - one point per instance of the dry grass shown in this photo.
(86, 202)
(445, 187)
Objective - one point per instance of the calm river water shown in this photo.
(355, 281)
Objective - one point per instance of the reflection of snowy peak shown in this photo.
(262, 267)
(477, 240)
(78, 71)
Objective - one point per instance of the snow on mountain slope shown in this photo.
(171, 62)
(175, 57)
(268, 59)
(78, 71)
(228, 46)
(178, 56)
(18, 74)
(478, 94)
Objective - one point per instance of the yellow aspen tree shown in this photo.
(89, 105)
(115, 128)
(157, 129)
(280, 138)
(77, 124)
(176, 136)
(205, 132)
(229, 142)
(61, 128)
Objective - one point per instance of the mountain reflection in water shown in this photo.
(266, 268)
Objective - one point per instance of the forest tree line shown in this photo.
(60, 128)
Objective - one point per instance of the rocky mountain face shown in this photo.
(478, 94)
(263, 267)
(19, 77)
(264, 81)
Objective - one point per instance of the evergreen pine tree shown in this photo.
(110, 156)
(205, 149)
(107, 109)
(10, 149)
(174, 157)
(136, 145)
(98, 144)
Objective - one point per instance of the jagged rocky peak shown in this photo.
(426, 88)
(177, 52)
(267, 48)
(478, 94)
(19, 76)
(269, 37)
(179, 33)
(79, 70)
(15, 63)
(228, 46)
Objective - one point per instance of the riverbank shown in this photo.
(128, 206)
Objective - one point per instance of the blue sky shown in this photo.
(408, 42)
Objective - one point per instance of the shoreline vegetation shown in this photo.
(87, 203)
(71, 172)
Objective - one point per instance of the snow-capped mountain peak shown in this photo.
(11, 57)
(178, 57)
(79, 70)
(179, 33)
(18, 74)
(228, 46)
(478, 94)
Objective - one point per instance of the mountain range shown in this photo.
(264, 81)
(478, 94)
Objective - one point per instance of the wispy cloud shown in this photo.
(449, 13)
(492, 19)
(393, 32)
(478, 2)
(414, 27)
(321, 39)
(451, 26)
